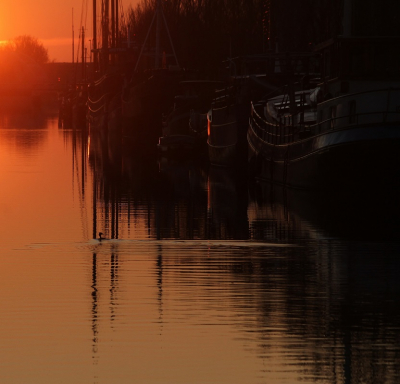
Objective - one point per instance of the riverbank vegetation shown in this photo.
(205, 32)
(21, 62)
(27, 47)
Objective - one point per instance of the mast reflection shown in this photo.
(323, 301)
(95, 319)
(113, 285)
(336, 295)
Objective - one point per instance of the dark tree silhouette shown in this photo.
(205, 31)
(29, 46)
(21, 62)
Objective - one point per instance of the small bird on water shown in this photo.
(101, 236)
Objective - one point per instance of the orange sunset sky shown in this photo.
(50, 21)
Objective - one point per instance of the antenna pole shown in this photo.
(73, 39)
(112, 24)
(170, 40)
(116, 23)
(145, 41)
(105, 33)
(159, 14)
(94, 36)
(158, 28)
(83, 55)
(347, 18)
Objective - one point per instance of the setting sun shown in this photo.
(48, 21)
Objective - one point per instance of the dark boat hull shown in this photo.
(223, 156)
(353, 157)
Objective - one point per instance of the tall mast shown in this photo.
(73, 39)
(347, 18)
(105, 25)
(158, 29)
(159, 14)
(116, 23)
(112, 23)
(113, 31)
(83, 55)
(94, 35)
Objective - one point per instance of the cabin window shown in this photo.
(352, 112)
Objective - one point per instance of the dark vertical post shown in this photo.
(158, 28)
(117, 216)
(94, 204)
(113, 30)
(83, 54)
(113, 215)
(116, 24)
(347, 18)
(112, 24)
(95, 63)
(95, 308)
(105, 33)
(73, 37)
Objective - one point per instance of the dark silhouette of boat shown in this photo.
(185, 126)
(343, 130)
(145, 99)
(149, 92)
(130, 92)
(223, 129)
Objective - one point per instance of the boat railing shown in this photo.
(280, 134)
(275, 133)
(98, 106)
(354, 120)
(221, 114)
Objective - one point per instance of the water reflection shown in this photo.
(21, 121)
(94, 307)
(292, 215)
(164, 199)
(205, 278)
(24, 131)
(168, 199)
(227, 204)
(316, 314)
(323, 311)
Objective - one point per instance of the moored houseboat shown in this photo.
(185, 126)
(222, 129)
(344, 131)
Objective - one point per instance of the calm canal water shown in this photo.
(204, 278)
